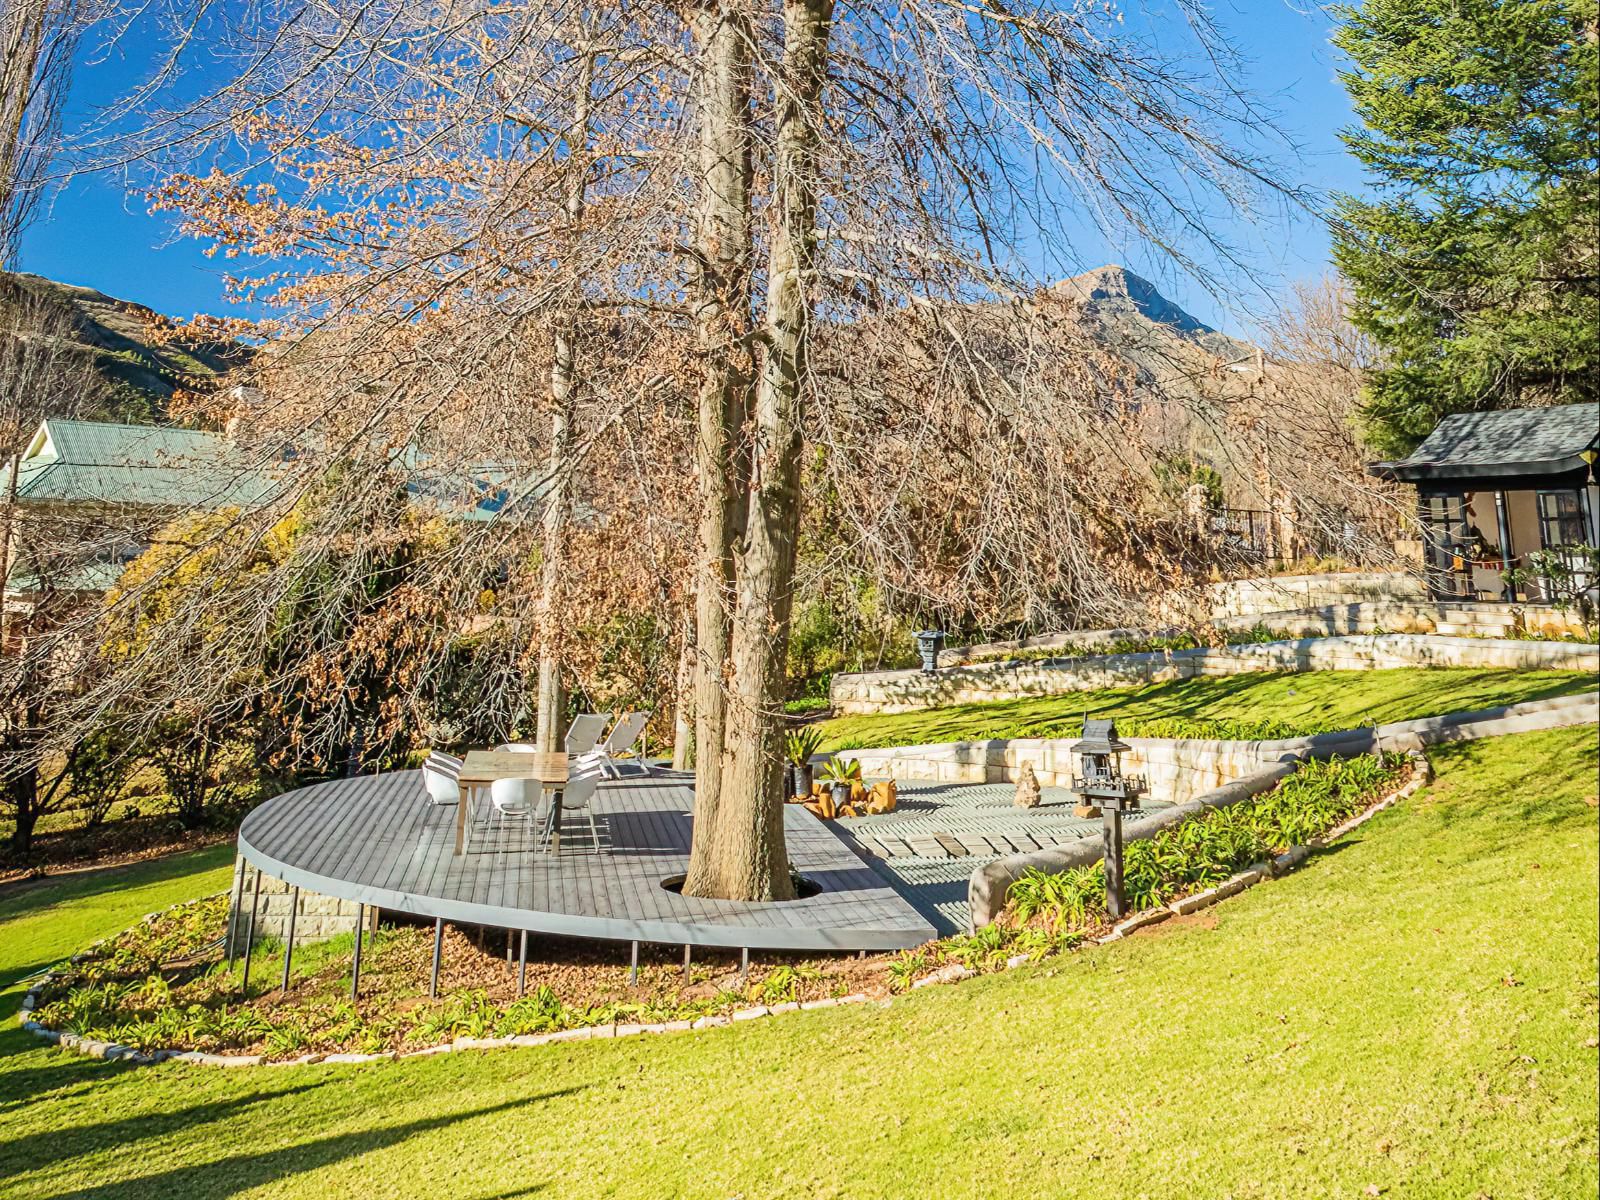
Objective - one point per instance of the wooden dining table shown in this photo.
(480, 768)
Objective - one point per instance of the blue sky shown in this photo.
(98, 232)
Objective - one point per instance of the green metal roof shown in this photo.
(159, 465)
(87, 462)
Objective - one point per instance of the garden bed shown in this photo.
(162, 984)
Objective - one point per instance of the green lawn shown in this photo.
(1413, 1012)
(1313, 702)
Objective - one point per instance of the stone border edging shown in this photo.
(990, 885)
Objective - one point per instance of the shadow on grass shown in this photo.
(65, 1144)
(230, 1176)
(33, 896)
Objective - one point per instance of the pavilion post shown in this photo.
(355, 964)
(522, 964)
(288, 942)
(1509, 592)
(438, 947)
(250, 934)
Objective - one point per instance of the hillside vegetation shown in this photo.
(123, 342)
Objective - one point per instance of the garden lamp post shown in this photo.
(1103, 787)
(929, 643)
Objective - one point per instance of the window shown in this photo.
(1444, 534)
(1560, 520)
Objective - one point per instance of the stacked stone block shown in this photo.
(320, 917)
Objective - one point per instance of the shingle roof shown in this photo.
(1517, 441)
(103, 462)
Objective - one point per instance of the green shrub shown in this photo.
(1205, 851)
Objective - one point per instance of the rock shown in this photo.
(1196, 902)
(1150, 916)
(883, 797)
(1028, 791)
(1289, 860)
(949, 973)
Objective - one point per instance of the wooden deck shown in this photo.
(377, 840)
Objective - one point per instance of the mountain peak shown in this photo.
(1115, 287)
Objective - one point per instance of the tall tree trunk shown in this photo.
(551, 700)
(751, 860)
(683, 706)
(722, 313)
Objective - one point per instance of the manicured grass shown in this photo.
(1413, 1012)
(1312, 702)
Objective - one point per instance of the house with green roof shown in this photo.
(78, 463)
(115, 484)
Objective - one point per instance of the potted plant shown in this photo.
(801, 744)
(841, 776)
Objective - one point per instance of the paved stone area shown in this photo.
(940, 833)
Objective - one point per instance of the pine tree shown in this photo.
(1475, 261)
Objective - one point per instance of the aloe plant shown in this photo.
(802, 743)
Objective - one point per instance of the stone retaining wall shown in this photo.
(909, 691)
(1451, 618)
(1179, 769)
(1277, 593)
(319, 918)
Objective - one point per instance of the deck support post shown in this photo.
(438, 946)
(250, 935)
(744, 965)
(233, 912)
(355, 962)
(288, 942)
(686, 962)
(633, 965)
(522, 965)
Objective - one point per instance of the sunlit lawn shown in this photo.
(1412, 1012)
(1314, 702)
